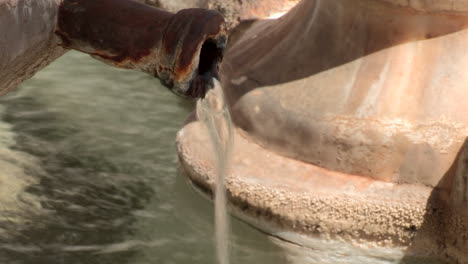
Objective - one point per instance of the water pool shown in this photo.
(90, 152)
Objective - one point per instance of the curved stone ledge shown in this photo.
(291, 195)
(370, 89)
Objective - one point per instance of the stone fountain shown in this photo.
(349, 115)
(351, 125)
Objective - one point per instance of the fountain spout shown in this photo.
(183, 50)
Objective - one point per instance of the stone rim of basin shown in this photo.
(279, 195)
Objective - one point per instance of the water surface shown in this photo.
(95, 147)
(89, 175)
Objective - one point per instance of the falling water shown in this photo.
(214, 113)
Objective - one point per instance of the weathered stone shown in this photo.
(347, 98)
(355, 89)
(183, 50)
(28, 42)
(27, 39)
(236, 11)
(283, 194)
(233, 11)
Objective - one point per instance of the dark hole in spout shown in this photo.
(210, 56)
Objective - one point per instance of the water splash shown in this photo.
(213, 112)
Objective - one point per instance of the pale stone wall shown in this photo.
(27, 39)
(361, 92)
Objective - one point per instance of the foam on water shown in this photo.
(13, 176)
(213, 112)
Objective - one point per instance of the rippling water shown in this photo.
(89, 174)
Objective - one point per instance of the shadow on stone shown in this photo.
(444, 229)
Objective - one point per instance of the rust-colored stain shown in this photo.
(193, 27)
(183, 49)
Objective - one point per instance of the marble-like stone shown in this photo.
(365, 89)
(27, 39)
(337, 93)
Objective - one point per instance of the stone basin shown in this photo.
(350, 125)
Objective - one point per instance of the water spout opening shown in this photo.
(210, 56)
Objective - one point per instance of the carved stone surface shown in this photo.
(358, 107)
(27, 39)
(183, 50)
(355, 90)
(233, 11)
(28, 42)
(283, 194)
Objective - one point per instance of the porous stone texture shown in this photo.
(289, 195)
(27, 39)
(357, 109)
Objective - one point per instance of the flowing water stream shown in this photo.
(214, 113)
